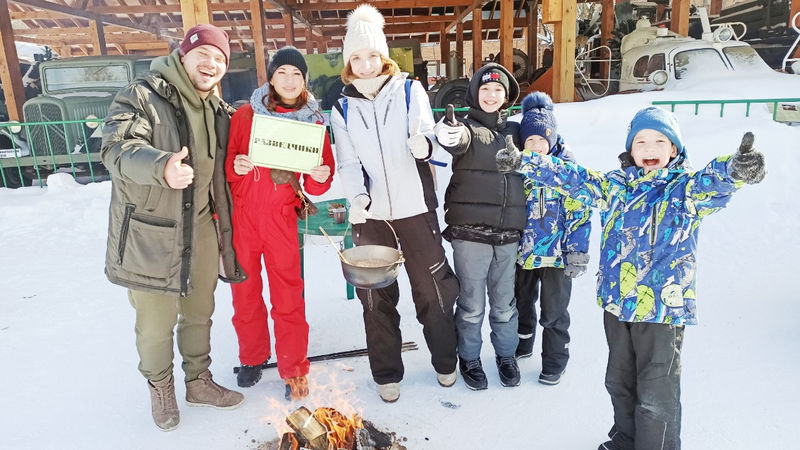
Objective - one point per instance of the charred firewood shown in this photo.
(308, 431)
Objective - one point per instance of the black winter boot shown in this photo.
(249, 375)
(473, 374)
(508, 369)
(524, 348)
(609, 445)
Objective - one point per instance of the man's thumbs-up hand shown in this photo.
(748, 164)
(177, 174)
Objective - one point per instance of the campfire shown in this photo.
(328, 429)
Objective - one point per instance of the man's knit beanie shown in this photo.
(287, 56)
(364, 30)
(205, 34)
(538, 118)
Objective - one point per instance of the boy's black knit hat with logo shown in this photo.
(489, 73)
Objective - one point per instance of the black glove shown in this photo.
(509, 158)
(748, 164)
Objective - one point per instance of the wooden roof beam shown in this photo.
(460, 16)
(72, 12)
(396, 4)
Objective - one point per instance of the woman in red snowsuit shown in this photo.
(265, 223)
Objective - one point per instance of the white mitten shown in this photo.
(358, 209)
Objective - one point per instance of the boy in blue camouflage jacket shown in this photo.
(553, 249)
(650, 211)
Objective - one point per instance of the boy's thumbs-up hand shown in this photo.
(450, 115)
(177, 174)
(509, 158)
(448, 130)
(748, 164)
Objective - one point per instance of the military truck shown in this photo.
(79, 91)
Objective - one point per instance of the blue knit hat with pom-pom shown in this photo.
(538, 118)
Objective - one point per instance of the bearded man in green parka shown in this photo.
(169, 235)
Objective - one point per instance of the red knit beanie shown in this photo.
(205, 34)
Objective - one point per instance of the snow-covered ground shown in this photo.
(69, 378)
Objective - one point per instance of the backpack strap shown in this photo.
(408, 92)
(341, 106)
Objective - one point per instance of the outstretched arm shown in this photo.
(711, 188)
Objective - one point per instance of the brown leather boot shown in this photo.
(163, 404)
(205, 392)
(296, 388)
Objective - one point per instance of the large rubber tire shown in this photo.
(521, 63)
(453, 92)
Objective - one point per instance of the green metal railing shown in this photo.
(31, 150)
(773, 101)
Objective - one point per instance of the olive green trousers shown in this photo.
(157, 315)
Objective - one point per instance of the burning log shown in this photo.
(307, 429)
(328, 429)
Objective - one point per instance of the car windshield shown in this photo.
(699, 62)
(745, 59)
(95, 77)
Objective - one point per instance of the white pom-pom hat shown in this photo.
(364, 30)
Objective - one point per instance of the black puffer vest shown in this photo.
(482, 204)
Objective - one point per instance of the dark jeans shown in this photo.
(556, 289)
(643, 378)
(434, 288)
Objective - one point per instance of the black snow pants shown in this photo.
(643, 378)
(434, 288)
(553, 289)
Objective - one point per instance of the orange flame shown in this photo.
(341, 430)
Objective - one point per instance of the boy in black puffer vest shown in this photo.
(485, 213)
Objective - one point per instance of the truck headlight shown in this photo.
(16, 129)
(659, 77)
(92, 122)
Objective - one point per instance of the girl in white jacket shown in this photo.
(383, 130)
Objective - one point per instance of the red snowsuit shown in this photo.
(265, 222)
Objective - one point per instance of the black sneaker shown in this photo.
(249, 375)
(473, 374)
(524, 348)
(550, 378)
(508, 369)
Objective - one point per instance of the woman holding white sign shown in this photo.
(265, 225)
(383, 127)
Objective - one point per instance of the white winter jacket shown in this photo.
(371, 152)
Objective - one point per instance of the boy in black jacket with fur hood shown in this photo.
(485, 213)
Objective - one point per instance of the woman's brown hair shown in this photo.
(273, 100)
(389, 68)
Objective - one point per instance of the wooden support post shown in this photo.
(460, 48)
(716, 7)
(533, 34)
(507, 34)
(10, 75)
(257, 19)
(477, 42)
(444, 46)
(98, 37)
(606, 27)
(288, 29)
(309, 42)
(563, 15)
(794, 9)
(195, 12)
(679, 23)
